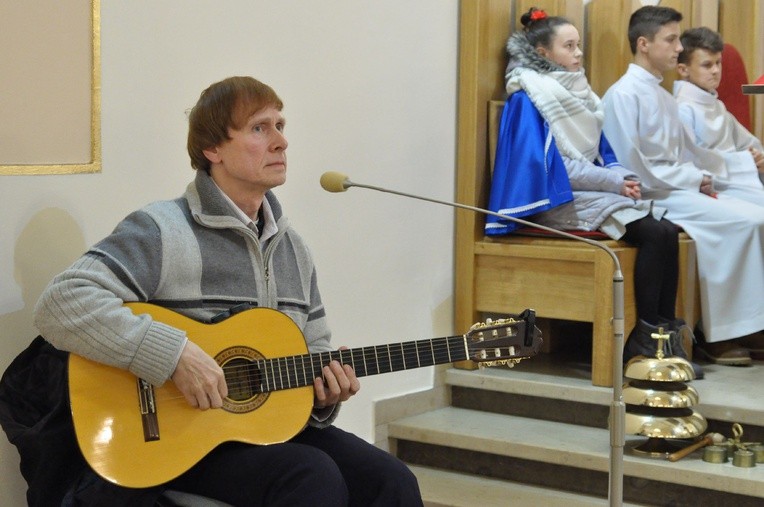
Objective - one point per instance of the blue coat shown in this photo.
(532, 180)
(526, 142)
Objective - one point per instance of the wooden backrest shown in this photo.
(495, 108)
(730, 90)
(607, 52)
(573, 10)
(606, 46)
(741, 23)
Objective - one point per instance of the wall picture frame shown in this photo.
(50, 105)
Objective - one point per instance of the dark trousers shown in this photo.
(318, 467)
(656, 270)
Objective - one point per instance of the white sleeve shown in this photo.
(622, 129)
(742, 137)
(687, 117)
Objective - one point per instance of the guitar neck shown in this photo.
(299, 371)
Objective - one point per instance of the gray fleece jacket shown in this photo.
(191, 255)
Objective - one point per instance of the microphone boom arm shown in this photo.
(338, 182)
(526, 223)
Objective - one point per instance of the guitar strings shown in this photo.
(293, 371)
(288, 372)
(250, 373)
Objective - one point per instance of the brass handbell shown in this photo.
(666, 369)
(659, 402)
(689, 425)
(672, 395)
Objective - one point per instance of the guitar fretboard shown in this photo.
(266, 375)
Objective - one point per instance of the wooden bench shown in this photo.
(565, 279)
(569, 280)
(559, 278)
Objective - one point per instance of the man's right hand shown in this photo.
(199, 378)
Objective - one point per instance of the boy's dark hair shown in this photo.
(539, 28)
(699, 38)
(647, 20)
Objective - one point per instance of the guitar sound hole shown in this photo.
(243, 379)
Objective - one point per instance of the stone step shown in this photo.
(727, 395)
(441, 488)
(563, 456)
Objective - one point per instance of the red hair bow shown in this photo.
(538, 15)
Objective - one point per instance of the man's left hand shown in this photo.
(338, 384)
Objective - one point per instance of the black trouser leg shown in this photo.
(656, 270)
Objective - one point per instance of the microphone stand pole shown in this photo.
(617, 418)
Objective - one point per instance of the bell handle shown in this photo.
(706, 440)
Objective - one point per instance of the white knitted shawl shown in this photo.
(565, 99)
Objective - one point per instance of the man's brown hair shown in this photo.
(222, 106)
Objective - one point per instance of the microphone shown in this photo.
(335, 182)
(332, 181)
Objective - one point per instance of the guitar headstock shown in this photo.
(506, 341)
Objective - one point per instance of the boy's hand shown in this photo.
(707, 186)
(758, 158)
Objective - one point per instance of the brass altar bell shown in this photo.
(659, 402)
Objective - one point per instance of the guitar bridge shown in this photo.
(148, 411)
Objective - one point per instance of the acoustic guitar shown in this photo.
(137, 435)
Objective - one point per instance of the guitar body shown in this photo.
(136, 435)
(106, 406)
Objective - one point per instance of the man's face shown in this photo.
(662, 52)
(704, 69)
(254, 159)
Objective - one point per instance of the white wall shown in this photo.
(369, 89)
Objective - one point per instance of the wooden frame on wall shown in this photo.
(50, 112)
